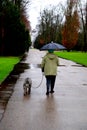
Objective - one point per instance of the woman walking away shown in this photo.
(49, 64)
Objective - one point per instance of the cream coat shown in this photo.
(50, 63)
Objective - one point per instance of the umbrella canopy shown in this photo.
(53, 46)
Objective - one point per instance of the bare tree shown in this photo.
(50, 25)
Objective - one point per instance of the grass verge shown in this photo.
(78, 57)
(6, 66)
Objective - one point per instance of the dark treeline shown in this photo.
(14, 32)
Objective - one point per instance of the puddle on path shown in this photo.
(77, 65)
(32, 66)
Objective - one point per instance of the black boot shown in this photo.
(47, 93)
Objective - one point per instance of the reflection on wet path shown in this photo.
(66, 109)
(32, 66)
(29, 68)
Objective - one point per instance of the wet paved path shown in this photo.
(66, 109)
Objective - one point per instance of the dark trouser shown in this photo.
(50, 82)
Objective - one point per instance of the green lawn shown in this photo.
(78, 57)
(6, 66)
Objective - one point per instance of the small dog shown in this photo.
(27, 86)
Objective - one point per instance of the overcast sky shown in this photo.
(38, 5)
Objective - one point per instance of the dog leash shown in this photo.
(40, 82)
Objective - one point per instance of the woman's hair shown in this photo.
(50, 51)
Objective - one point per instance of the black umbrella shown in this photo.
(53, 46)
